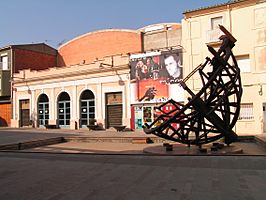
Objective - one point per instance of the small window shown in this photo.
(4, 62)
(215, 22)
(243, 63)
(246, 112)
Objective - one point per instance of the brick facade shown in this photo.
(27, 59)
(88, 47)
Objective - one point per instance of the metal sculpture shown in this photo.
(212, 112)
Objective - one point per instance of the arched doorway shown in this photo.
(87, 107)
(43, 110)
(63, 110)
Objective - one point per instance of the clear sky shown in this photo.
(58, 21)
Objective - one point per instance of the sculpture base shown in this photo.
(181, 149)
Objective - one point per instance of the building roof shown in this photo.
(39, 47)
(214, 6)
(95, 32)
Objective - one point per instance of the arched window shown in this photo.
(43, 110)
(87, 108)
(63, 110)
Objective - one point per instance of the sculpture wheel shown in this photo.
(211, 112)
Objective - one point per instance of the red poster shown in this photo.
(152, 90)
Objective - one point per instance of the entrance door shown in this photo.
(114, 109)
(114, 115)
(64, 110)
(87, 108)
(43, 113)
(24, 107)
(87, 112)
(43, 110)
(64, 113)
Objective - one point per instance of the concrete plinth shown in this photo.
(180, 149)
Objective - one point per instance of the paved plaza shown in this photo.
(106, 170)
(102, 142)
(32, 176)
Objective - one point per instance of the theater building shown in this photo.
(246, 21)
(97, 77)
(90, 82)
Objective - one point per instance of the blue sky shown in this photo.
(56, 21)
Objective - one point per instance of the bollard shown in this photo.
(169, 147)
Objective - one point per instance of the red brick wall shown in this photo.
(5, 114)
(25, 59)
(98, 45)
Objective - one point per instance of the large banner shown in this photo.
(155, 77)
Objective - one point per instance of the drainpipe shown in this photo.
(230, 18)
(230, 30)
(191, 52)
(11, 83)
(166, 37)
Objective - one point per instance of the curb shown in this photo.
(32, 144)
(135, 140)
